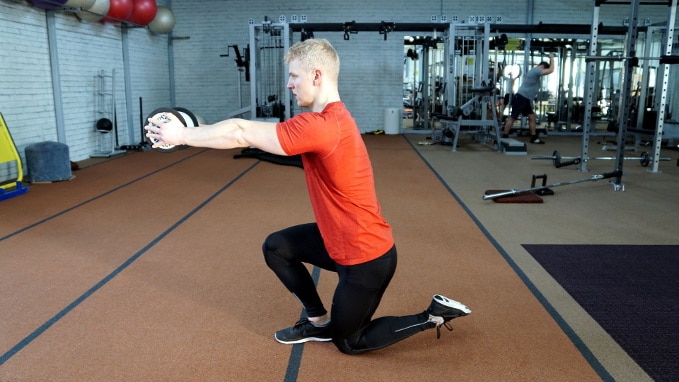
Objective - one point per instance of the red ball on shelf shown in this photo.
(143, 12)
(119, 10)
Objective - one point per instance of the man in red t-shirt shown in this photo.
(350, 235)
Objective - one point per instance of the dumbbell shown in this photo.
(186, 117)
(556, 159)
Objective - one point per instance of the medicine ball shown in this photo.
(104, 124)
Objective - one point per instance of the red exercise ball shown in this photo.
(143, 12)
(119, 10)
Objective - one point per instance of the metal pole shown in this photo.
(664, 80)
(56, 76)
(626, 92)
(590, 79)
(254, 73)
(645, 76)
(450, 61)
(425, 87)
(127, 78)
(286, 46)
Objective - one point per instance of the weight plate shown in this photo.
(645, 159)
(556, 158)
(192, 119)
(165, 148)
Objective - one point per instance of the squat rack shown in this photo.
(631, 60)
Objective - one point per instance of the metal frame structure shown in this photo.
(481, 96)
(428, 47)
(268, 43)
(631, 60)
(384, 28)
(105, 96)
(664, 75)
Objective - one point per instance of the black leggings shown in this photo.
(358, 293)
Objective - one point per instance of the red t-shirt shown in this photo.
(340, 181)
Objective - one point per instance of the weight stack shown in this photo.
(47, 162)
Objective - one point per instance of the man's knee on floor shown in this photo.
(349, 346)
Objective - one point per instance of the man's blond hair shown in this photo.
(315, 54)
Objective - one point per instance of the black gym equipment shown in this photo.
(557, 159)
(104, 124)
(542, 190)
(144, 144)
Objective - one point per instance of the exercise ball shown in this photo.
(53, 4)
(104, 125)
(143, 12)
(96, 12)
(163, 22)
(84, 4)
(119, 10)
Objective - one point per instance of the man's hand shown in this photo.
(165, 129)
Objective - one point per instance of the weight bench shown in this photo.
(511, 146)
(483, 128)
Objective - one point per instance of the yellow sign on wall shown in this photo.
(513, 44)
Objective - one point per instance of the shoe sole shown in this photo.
(303, 340)
(443, 300)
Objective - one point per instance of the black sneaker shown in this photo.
(537, 141)
(303, 331)
(442, 309)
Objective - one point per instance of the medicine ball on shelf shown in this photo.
(104, 125)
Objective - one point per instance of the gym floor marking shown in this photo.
(28, 339)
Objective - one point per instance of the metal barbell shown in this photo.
(558, 160)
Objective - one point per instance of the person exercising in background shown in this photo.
(522, 101)
(350, 235)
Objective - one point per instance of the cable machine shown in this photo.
(269, 97)
(427, 97)
(433, 89)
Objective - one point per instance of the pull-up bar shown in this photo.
(669, 59)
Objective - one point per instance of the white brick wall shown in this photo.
(206, 83)
(25, 77)
(84, 49)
